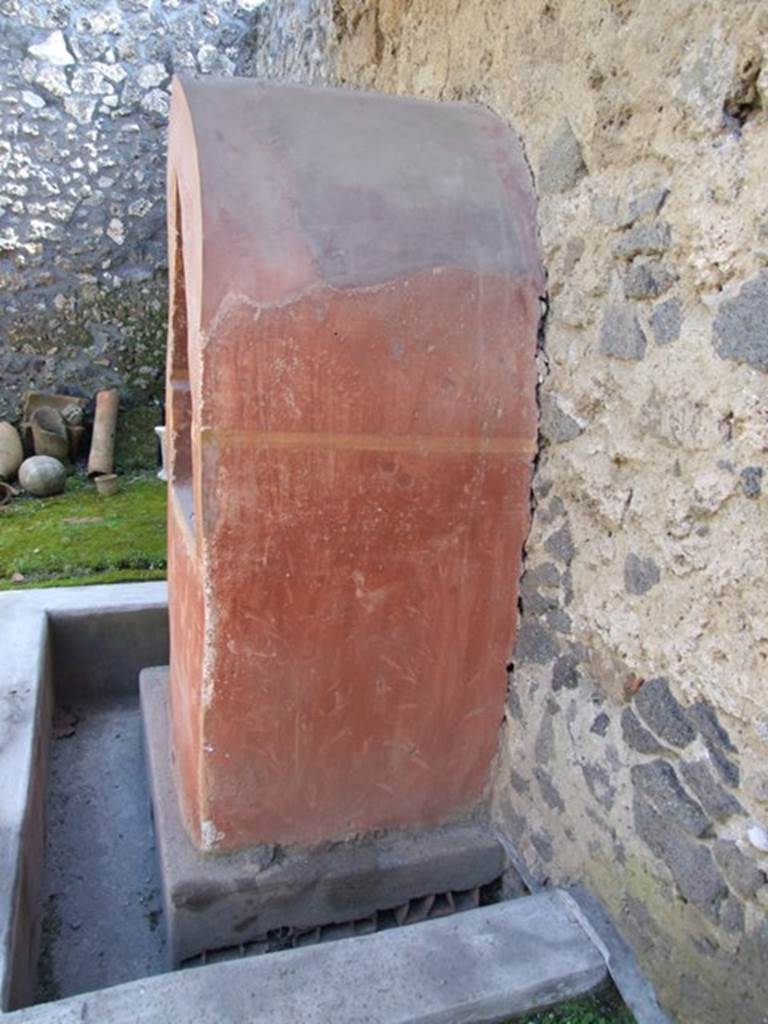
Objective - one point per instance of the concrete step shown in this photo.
(483, 965)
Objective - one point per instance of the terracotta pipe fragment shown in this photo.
(102, 455)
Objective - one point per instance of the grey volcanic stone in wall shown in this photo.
(732, 915)
(644, 240)
(598, 782)
(649, 202)
(556, 425)
(742, 874)
(728, 770)
(637, 736)
(555, 508)
(621, 335)
(514, 704)
(666, 321)
(560, 544)
(640, 574)
(562, 164)
(704, 718)
(534, 642)
(752, 481)
(690, 862)
(549, 791)
(544, 746)
(542, 844)
(518, 783)
(662, 713)
(705, 787)
(659, 785)
(534, 602)
(547, 574)
(600, 725)
(565, 674)
(741, 325)
(558, 620)
(647, 280)
(533, 586)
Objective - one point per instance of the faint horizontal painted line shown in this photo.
(368, 442)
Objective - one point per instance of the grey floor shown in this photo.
(102, 920)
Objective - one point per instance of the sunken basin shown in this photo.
(83, 933)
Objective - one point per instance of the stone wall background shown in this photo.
(636, 739)
(83, 109)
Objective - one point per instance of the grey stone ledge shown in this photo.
(479, 966)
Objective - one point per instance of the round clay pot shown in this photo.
(106, 484)
(11, 451)
(49, 433)
(42, 476)
(6, 493)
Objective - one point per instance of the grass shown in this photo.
(79, 537)
(601, 1007)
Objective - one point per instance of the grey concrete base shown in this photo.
(475, 968)
(213, 903)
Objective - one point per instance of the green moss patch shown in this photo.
(80, 537)
(601, 1007)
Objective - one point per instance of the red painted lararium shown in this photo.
(352, 420)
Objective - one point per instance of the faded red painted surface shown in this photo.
(352, 424)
